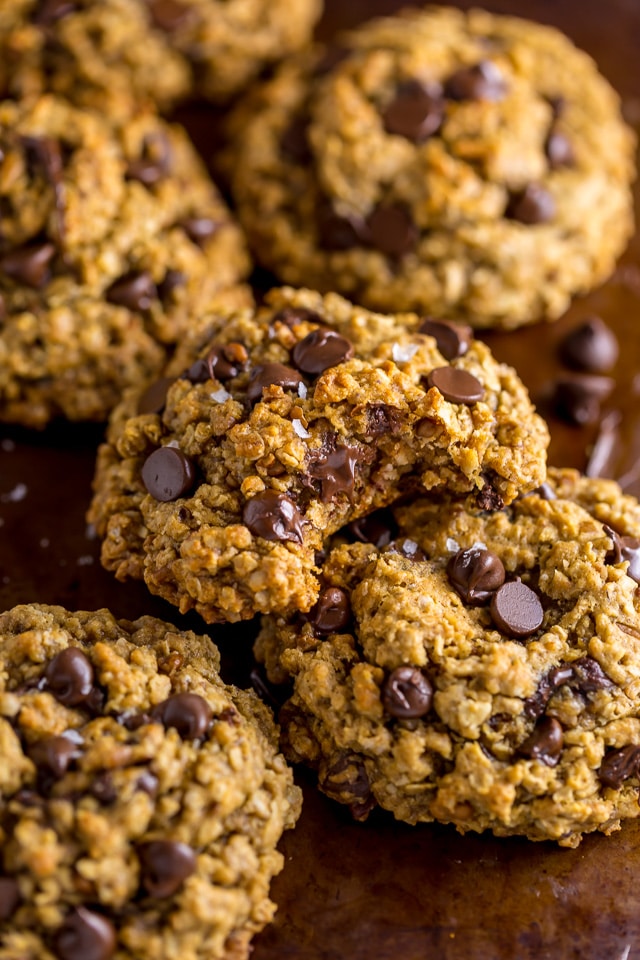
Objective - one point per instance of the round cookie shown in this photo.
(483, 671)
(111, 54)
(114, 242)
(141, 798)
(461, 164)
(219, 485)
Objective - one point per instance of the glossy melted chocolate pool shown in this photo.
(381, 889)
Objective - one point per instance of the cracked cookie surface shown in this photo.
(141, 798)
(481, 670)
(462, 164)
(293, 421)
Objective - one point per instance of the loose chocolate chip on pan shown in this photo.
(336, 471)
(392, 230)
(320, 350)
(559, 150)
(483, 81)
(200, 229)
(332, 611)
(271, 374)
(407, 693)
(9, 897)
(531, 206)
(69, 677)
(85, 935)
(592, 346)
(416, 112)
(167, 474)
(516, 610)
(273, 516)
(169, 15)
(48, 11)
(475, 574)
(166, 864)
(577, 397)
(135, 291)
(29, 264)
(188, 713)
(618, 765)
(452, 339)
(456, 386)
(53, 756)
(154, 398)
(545, 743)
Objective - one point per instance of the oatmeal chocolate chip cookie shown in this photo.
(112, 54)
(141, 798)
(113, 242)
(481, 669)
(468, 165)
(218, 485)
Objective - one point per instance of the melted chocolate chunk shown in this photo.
(483, 81)
(407, 693)
(475, 574)
(29, 264)
(346, 780)
(624, 548)
(104, 789)
(200, 229)
(85, 935)
(135, 291)
(271, 374)
(588, 676)
(336, 471)
(545, 743)
(488, 499)
(166, 864)
(169, 15)
(456, 386)
(9, 897)
(320, 350)
(416, 112)
(559, 150)
(392, 230)
(516, 610)
(531, 206)
(618, 765)
(154, 163)
(331, 613)
(379, 528)
(167, 474)
(154, 398)
(577, 397)
(452, 339)
(535, 706)
(69, 677)
(273, 516)
(592, 346)
(53, 756)
(382, 420)
(188, 713)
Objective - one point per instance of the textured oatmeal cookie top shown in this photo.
(483, 671)
(141, 798)
(114, 240)
(218, 486)
(469, 165)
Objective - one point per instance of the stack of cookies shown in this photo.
(451, 629)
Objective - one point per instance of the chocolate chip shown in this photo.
(488, 499)
(53, 756)
(346, 780)
(292, 316)
(271, 374)
(167, 474)
(577, 397)
(407, 693)
(189, 713)
(624, 548)
(135, 291)
(154, 163)
(166, 864)
(483, 81)
(378, 528)
(475, 574)
(545, 491)
(392, 230)
(273, 516)
(559, 150)
(452, 339)
(545, 743)
(154, 398)
(535, 706)
(336, 471)
(331, 613)
(456, 386)
(172, 281)
(531, 206)
(200, 229)
(226, 361)
(169, 15)
(69, 677)
(337, 232)
(320, 350)
(29, 264)
(49, 11)
(295, 141)
(618, 765)
(516, 610)
(416, 112)
(273, 694)
(147, 783)
(85, 935)
(382, 420)
(46, 154)
(588, 676)
(104, 789)
(9, 897)
(591, 346)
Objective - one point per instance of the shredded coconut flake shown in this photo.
(220, 395)
(403, 352)
(299, 429)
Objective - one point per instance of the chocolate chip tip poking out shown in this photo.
(273, 516)
(456, 385)
(168, 474)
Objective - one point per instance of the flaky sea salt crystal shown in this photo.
(451, 545)
(220, 395)
(403, 352)
(302, 390)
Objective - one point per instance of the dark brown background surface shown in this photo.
(384, 890)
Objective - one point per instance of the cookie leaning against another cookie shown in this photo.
(218, 487)
(114, 241)
(461, 164)
(141, 798)
(481, 670)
